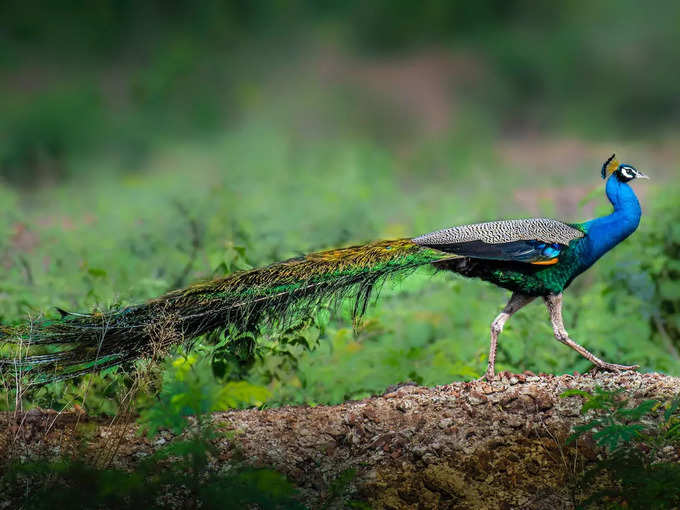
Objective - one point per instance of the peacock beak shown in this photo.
(640, 175)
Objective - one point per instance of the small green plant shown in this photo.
(631, 474)
(191, 389)
(616, 424)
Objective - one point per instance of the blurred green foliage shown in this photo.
(122, 76)
(42, 134)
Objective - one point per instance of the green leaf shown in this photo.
(574, 392)
(234, 394)
(638, 412)
(96, 272)
(612, 435)
(671, 408)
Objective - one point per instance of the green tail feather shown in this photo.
(272, 296)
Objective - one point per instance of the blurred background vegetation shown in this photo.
(148, 144)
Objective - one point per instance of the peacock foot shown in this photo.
(613, 367)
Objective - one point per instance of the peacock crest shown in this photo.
(610, 166)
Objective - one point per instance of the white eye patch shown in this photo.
(627, 172)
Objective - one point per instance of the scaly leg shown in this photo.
(516, 302)
(554, 304)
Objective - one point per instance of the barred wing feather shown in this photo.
(534, 240)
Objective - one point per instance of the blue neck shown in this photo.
(606, 232)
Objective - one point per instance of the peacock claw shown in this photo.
(613, 367)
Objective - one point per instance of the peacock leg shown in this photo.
(516, 302)
(554, 304)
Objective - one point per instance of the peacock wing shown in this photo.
(534, 240)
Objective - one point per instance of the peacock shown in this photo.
(532, 258)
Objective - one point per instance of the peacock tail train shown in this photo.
(246, 301)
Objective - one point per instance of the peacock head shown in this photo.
(622, 171)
